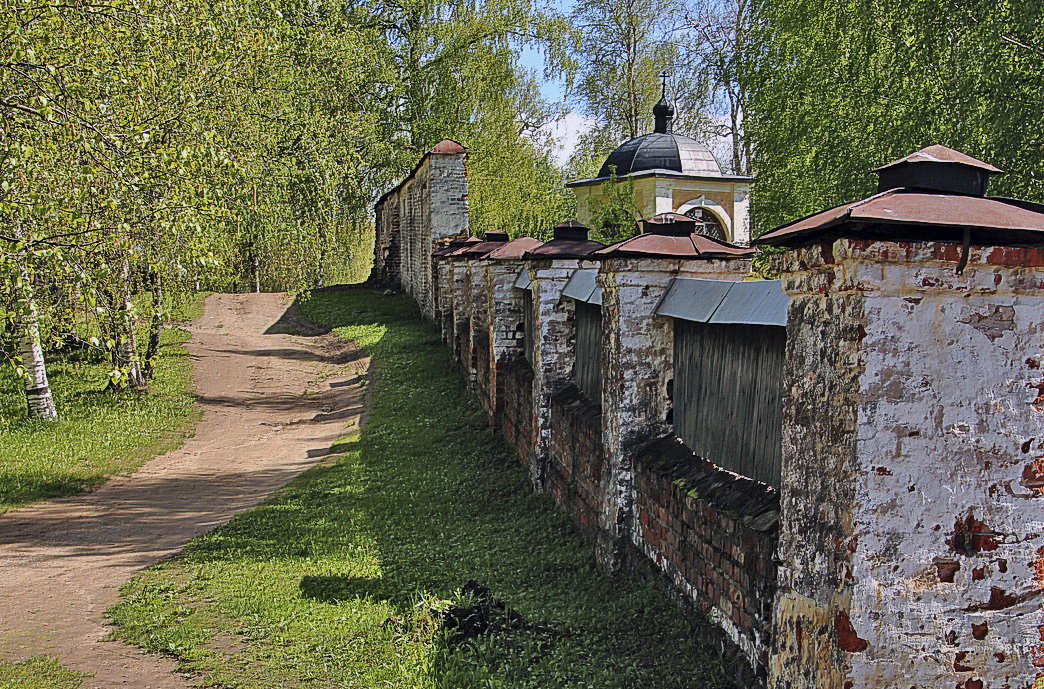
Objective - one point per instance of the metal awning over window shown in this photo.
(760, 302)
(523, 281)
(582, 287)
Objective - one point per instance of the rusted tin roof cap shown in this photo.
(942, 154)
(690, 246)
(672, 225)
(934, 195)
(938, 169)
(448, 146)
(455, 245)
(491, 241)
(515, 249)
(467, 244)
(569, 241)
(899, 215)
(566, 248)
(571, 229)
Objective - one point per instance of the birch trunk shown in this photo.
(152, 349)
(37, 388)
(129, 348)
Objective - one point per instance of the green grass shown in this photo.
(340, 580)
(38, 673)
(101, 433)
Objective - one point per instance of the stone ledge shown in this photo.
(753, 504)
(518, 367)
(579, 405)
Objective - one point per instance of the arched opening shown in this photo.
(712, 225)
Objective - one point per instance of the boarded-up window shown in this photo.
(728, 395)
(529, 334)
(587, 371)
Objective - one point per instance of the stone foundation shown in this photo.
(713, 535)
(576, 471)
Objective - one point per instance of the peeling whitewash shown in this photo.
(553, 354)
(940, 508)
(637, 362)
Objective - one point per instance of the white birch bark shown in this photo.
(129, 353)
(37, 388)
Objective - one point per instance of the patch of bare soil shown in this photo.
(276, 393)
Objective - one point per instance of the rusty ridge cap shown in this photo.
(691, 246)
(481, 249)
(448, 146)
(468, 243)
(838, 214)
(938, 153)
(454, 246)
(444, 147)
(905, 215)
(565, 248)
(514, 250)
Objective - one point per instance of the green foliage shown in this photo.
(342, 578)
(39, 673)
(612, 70)
(836, 89)
(613, 220)
(186, 145)
(102, 433)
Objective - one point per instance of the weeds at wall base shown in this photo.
(337, 579)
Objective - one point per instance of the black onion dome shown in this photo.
(663, 113)
(661, 151)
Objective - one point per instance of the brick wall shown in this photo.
(911, 541)
(505, 328)
(480, 347)
(428, 207)
(576, 474)
(461, 306)
(477, 342)
(712, 534)
(444, 298)
(517, 422)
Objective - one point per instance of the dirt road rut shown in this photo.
(276, 392)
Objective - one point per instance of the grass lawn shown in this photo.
(357, 574)
(100, 433)
(38, 673)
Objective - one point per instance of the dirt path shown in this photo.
(273, 403)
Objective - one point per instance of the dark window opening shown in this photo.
(528, 327)
(728, 402)
(587, 370)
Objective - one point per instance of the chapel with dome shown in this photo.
(673, 173)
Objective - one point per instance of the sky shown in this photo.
(567, 130)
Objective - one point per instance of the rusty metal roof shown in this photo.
(454, 246)
(690, 246)
(491, 241)
(901, 215)
(570, 241)
(448, 146)
(515, 249)
(468, 243)
(942, 154)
